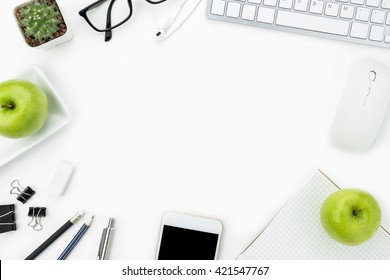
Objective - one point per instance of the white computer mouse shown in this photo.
(363, 106)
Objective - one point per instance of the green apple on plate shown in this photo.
(23, 108)
(351, 216)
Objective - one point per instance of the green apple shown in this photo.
(351, 216)
(23, 108)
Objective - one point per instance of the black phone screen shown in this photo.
(186, 244)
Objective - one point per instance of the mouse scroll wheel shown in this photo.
(372, 76)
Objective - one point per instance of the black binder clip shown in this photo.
(36, 213)
(24, 194)
(7, 218)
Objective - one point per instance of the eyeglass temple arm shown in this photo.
(108, 33)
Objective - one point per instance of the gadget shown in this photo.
(357, 21)
(187, 237)
(167, 25)
(363, 105)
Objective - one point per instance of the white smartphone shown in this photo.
(187, 237)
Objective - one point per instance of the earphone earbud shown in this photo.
(163, 24)
(167, 25)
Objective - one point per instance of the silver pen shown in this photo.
(105, 241)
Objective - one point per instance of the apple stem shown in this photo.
(9, 106)
(356, 212)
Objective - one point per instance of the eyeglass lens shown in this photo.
(120, 10)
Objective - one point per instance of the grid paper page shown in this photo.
(297, 233)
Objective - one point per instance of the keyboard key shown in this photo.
(248, 12)
(378, 16)
(376, 33)
(332, 9)
(386, 4)
(316, 7)
(254, 1)
(359, 30)
(270, 3)
(347, 11)
(286, 4)
(301, 5)
(218, 7)
(358, 2)
(387, 38)
(313, 23)
(362, 14)
(266, 15)
(388, 19)
(233, 9)
(344, 1)
(373, 3)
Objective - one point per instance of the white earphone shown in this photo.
(168, 25)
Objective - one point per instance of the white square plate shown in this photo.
(58, 117)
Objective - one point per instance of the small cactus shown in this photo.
(40, 20)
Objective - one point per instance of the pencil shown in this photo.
(76, 239)
(54, 236)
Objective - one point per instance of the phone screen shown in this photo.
(186, 244)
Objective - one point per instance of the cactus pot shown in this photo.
(61, 36)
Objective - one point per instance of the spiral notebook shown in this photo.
(296, 232)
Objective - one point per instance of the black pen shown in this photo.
(55, 235)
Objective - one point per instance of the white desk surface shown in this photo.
(220, 120)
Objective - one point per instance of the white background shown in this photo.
(220, 120)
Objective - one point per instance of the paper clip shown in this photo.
(7, 218)
(36, 213)
(24, 194)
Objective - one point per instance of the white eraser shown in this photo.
(61, 178)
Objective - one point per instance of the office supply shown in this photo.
(36, 213)
(355, 21)
(23, 193)
(169, 25)
(61, 178)
(7, 210)
(363, 106)
(58, 117)
(7, 218)
(109, 23)
(106, 240)
(54, 236)
(7, 227)
(296, 232)
(76, 239)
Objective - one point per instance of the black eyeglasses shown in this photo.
(123, 13)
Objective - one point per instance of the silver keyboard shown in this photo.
(358, 21)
